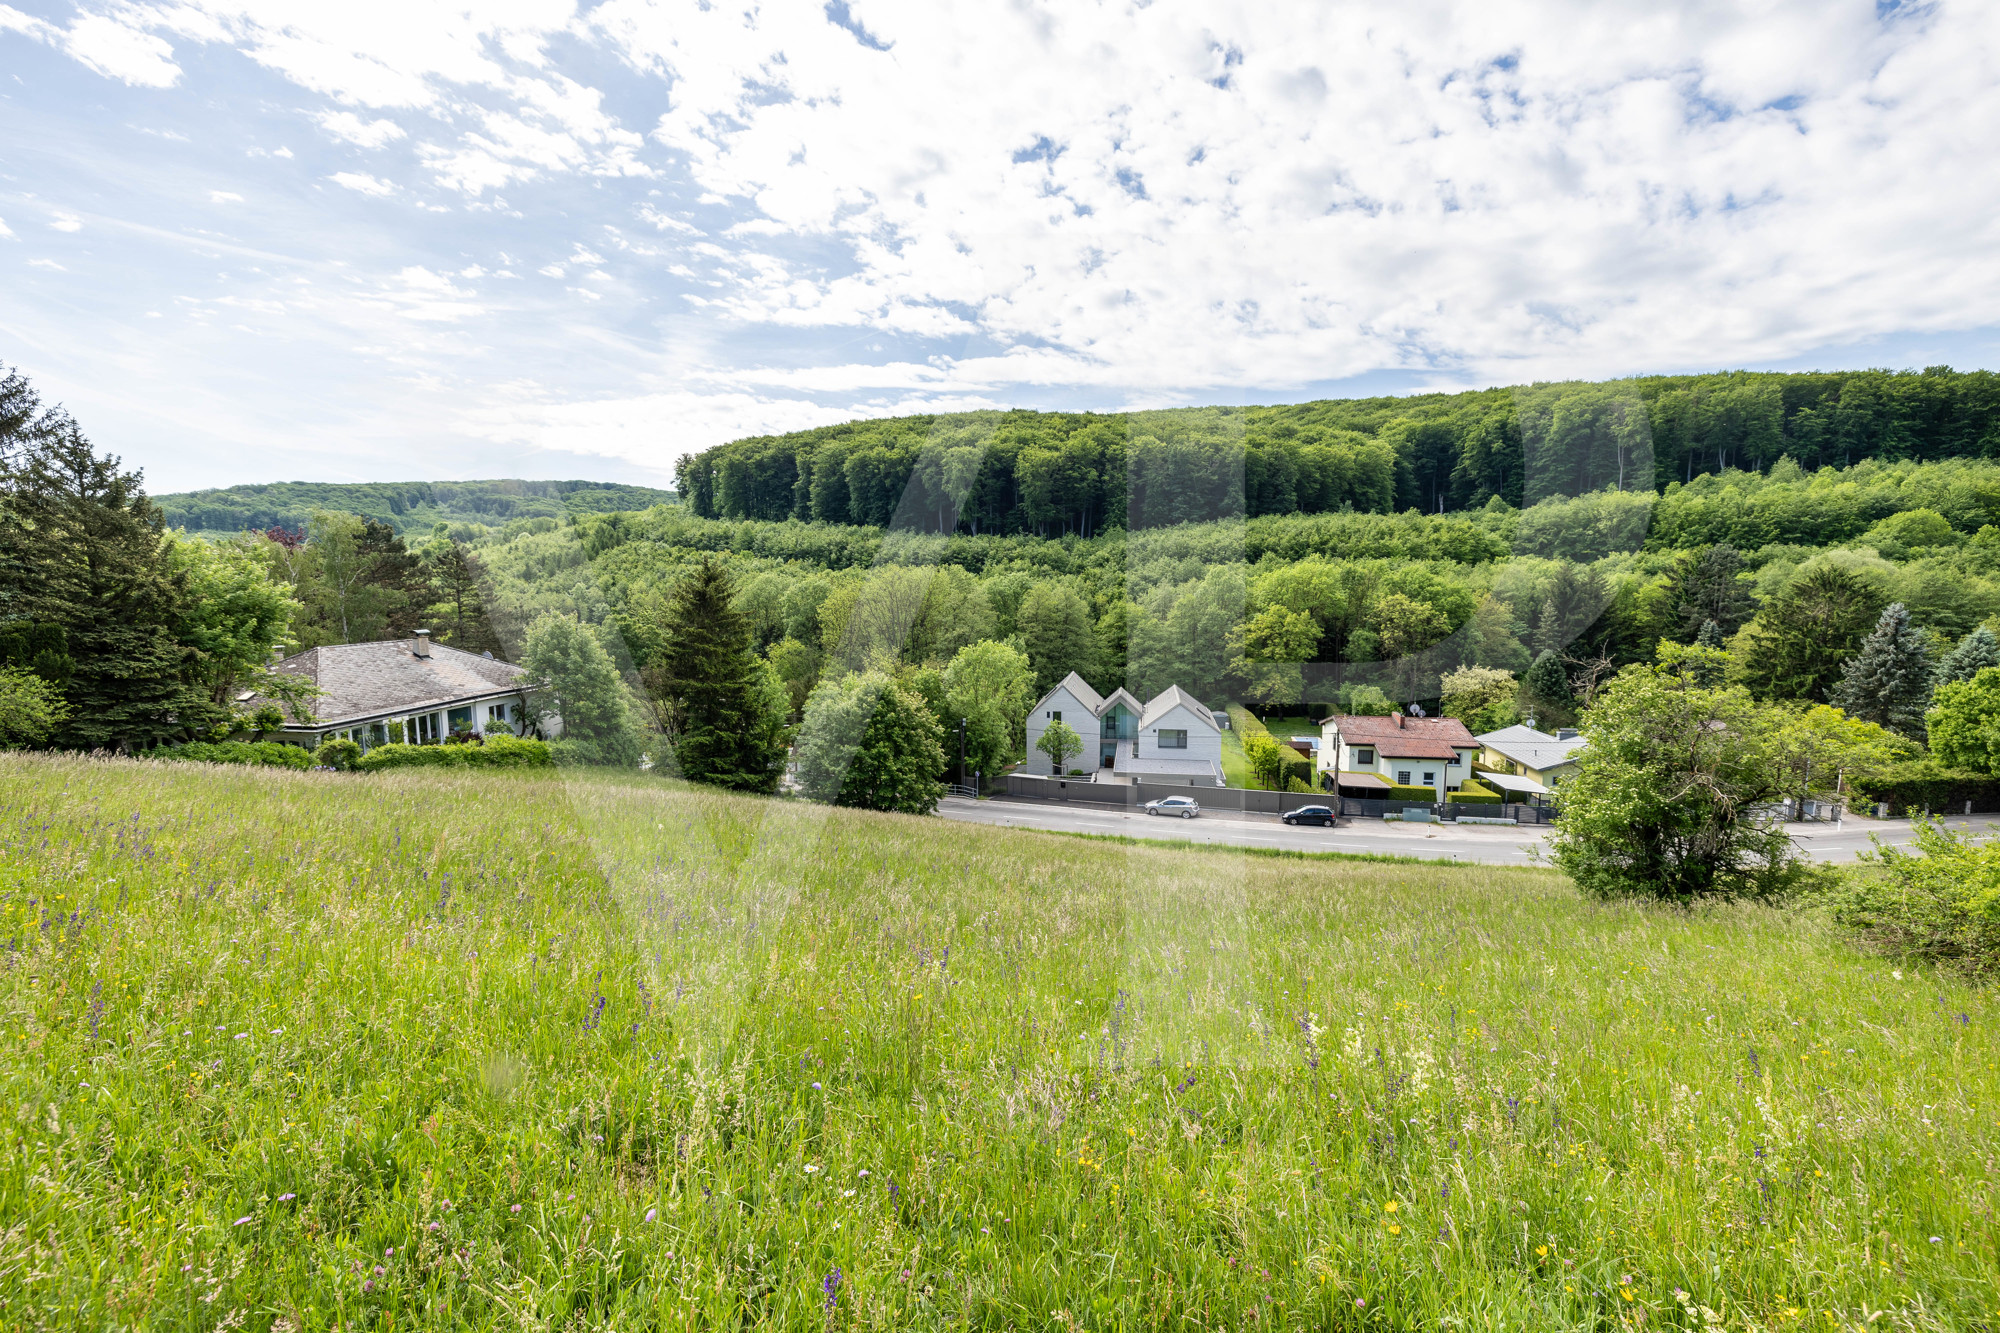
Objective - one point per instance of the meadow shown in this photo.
(427, 1050)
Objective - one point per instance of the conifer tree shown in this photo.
(1974, 653)
(82, 549)
(1547, 687)
(1704, 587)
(710, 687)
(1888, 680)
(458, 578)
(1708, 672)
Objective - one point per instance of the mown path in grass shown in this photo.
(494, 1051)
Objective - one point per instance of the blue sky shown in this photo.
(253, 240)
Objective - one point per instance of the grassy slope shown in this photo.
(494, 1023)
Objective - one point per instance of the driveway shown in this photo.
(1484, 844)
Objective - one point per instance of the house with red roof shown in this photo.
(1364, 756)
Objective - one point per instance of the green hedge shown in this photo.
(269, 754)
(1474, 795)
(1929, 785)
(497, 752)
(1411, 794)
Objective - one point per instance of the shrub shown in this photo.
(497, 752)
(1470, 794)
(1296, 785)
(336, 752)
(270, 754)
(1397, 793)
(1941, 904)
(1927, 784)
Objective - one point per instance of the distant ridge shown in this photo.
(403, 505)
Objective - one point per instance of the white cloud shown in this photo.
(552, 270)
(67, 222)
(108, 44)
(47, 264)
(365, 184)
(6, 233)
(224, 197)
(367, 133)
(281, 152)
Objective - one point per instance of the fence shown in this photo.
(1085, 792)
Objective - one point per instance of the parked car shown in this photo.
(1184, 806)
(1310, 814)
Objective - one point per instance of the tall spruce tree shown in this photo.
(710, 687)
(1800, 641)
(83, 549)
(1704, 586)
(1888, 680)
(458, 577)
(1974, 653)
(1548, 691)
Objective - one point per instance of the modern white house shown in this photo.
(1172, 738)
(1364, 756)
(424, 691)
(1533, 755)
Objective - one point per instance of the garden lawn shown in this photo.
(429, 1050)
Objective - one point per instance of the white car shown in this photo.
(1184, 806)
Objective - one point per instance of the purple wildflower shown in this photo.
(286, 1198)
(652, 1213)
(239, 1221)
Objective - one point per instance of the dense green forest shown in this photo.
(405, 506)
(1054, 474)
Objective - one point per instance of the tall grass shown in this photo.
(305, 1050)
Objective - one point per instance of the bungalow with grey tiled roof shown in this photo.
(427, 690)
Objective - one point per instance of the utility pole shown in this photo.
(961, 752)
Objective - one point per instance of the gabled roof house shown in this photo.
(427, 689)
(1172, 738)
(1366, 755)
(1533, 755)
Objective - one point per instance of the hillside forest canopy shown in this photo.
(1547, 537)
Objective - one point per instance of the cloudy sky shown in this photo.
(252, 240)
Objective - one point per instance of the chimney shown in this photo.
(420, 643)
(1566, 733)
(1399, 721)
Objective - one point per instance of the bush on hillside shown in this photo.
(1941, 903)
(268, 754)
(496, 752)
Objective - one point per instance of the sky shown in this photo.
(261, 240)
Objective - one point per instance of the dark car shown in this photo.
(1310, 814)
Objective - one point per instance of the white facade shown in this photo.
(1172, 738)
(1077, 705)
(1404, 752)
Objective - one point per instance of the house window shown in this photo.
(1403, 777)
(1364, 754)
(1056, 716)
(459, 719)
(1173, 740)
(1455, 760)
(1430, 779)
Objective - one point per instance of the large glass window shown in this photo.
(1364, 754)
(1172, 740)
(459, 719)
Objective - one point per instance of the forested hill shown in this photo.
(1054, 474)
(405, 506)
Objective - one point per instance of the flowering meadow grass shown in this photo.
(494, 1050)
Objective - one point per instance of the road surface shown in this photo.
(1484, 844)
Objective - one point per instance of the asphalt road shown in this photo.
(1484, 844)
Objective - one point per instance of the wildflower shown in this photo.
(1358, 1302)
(286, 1198)
(368, 1284)
(389, 1253)
(379, 1270)
(652, 1213)
(816, 1087)
(863, 1171)
(517, 1208)
(1395, 1230)
(1937, 1240)
(239, 1221)
(1541, 1251)
(811, 1168)
(239, 1036)
(434, 1226)
(1389, 1207)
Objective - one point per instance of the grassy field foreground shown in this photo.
(306, 1051)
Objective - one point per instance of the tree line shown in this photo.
(1054, 474)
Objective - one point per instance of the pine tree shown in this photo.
(1888, 681)
(401, 578)
(1709, 675)
(82, 549)
(1704, 586)
(1547, 686)
(1974, 653)
(710, 687)
(458, 578)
